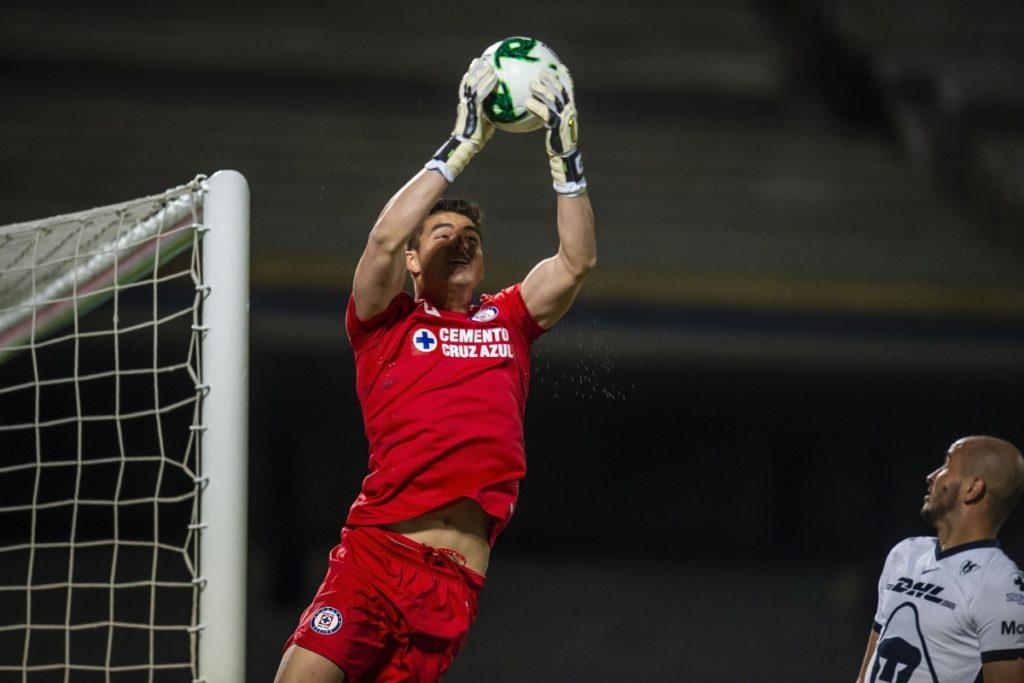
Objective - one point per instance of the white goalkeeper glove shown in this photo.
(472, 129)
(552, 100)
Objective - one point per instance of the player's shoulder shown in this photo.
(915, 545)
(401, 306)
(510, 292)
(986, 553)
(905, 554)
(402, 301)
(405, 301)
(996, 571)
(398, 308)
(507, 302)
(990, 580)
(509, 305)
(982, 568)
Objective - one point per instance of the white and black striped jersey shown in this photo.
(941, 614)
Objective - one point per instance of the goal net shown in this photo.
(123, 402)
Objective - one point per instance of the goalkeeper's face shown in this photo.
(449, 252)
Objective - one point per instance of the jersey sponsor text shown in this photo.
(1012, 628)
(457, 342)
(920, 589)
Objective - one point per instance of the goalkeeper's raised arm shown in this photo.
(381, 270)
(552, 285)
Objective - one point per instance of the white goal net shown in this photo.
(122, 439)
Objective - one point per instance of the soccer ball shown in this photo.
(517, 61)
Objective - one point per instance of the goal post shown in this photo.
(123, 439)
(223, 541)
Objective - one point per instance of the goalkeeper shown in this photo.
(443, 384)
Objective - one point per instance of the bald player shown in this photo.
(951, 607)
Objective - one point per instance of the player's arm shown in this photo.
(552, 285)
(868, 654)
(380, 272)
(879, 618)
(1009, 671)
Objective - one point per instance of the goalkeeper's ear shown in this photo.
(412, 263)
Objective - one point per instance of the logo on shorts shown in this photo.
(424, 340)
(485, 314)
(326, 621)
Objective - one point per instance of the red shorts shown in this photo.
(389, 609)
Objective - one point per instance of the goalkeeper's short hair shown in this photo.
(463, 207)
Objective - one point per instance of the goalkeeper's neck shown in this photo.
(451, 296)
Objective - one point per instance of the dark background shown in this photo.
(809, 217)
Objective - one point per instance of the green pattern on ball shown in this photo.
(515, 48)
(499, 105)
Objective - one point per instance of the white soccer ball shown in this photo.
(517, 61)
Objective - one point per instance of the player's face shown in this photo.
(450, 251)
(943, 487)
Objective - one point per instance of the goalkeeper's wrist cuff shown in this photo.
(567, 173)
(439, 162)
(440, 167)
(451, 157)
(574, 189)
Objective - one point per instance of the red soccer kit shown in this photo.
(390, 609)
(443, 396)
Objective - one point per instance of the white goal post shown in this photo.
(225, 442)
(124, 347)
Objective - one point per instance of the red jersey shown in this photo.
(443, 396)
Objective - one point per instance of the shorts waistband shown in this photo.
(441, 561)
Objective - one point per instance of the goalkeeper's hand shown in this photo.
(472, 129)
(552, 100)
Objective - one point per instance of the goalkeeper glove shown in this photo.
(552, 101)
(472, 128)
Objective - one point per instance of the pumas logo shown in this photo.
(967, 567)
(326, 621)
(485, 314)
(423, 340)
(901, 649)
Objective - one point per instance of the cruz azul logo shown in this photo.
(920, 590)
(423, 340)
(326, 621)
